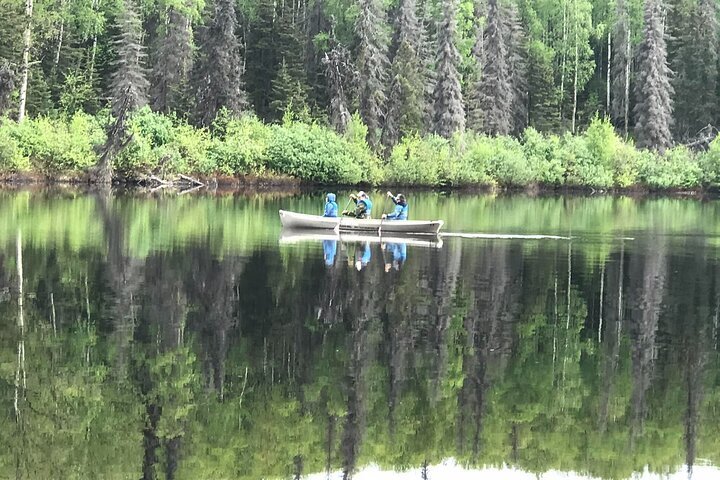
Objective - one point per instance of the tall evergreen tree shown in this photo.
(503, 85)
(449, 108)
(406, 102)
(473, 97)
(129, 85)
(340, 75)
(495, 90)
(694, 62)
(172, 60)
(372, 65)
(518, 70)
(290, 83)
(219, 70)
(653, 91)
(288, 93)
(706, 30)
(620, 68)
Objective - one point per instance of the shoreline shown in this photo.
(276, 183)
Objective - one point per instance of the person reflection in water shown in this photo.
(396, 255)
(329, 251)
(362, 256)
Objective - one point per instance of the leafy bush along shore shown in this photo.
(313, 153)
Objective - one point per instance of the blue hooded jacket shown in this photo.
(331, 208)
(400, 213)
(368, 205)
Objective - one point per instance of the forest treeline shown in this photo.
(424, 91)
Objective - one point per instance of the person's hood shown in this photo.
(331, 197)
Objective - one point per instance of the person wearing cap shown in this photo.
(401, 207)
(363, 206)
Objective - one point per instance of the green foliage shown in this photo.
(167, 145)
(242, 147)
(11, 158)
(312, 153)
(51, 146)
(677, 168)
(163, 144)
(710, 163)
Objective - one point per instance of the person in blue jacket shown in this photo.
(401, 208)
(363, 206)
(331, 207)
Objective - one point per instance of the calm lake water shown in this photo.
(188, 337)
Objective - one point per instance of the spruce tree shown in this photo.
(372, 67)
(341, 75)
(621, 64)
(495, 89)
(289, 87)
(406, 102)
(653, 91)
(474, 109)
(172, 61)
(129, 83)
(695, 65)
(705, 109)
(218, 76)
(502, 89)
(449, 108)
(288, 93)
(518, 70)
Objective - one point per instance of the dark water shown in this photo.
(181, 337)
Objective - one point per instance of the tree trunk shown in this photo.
(94, 46)
(627, 85)
(609, 59)
(577, 61)
(27, 38)
(564, 60)
(61, 34)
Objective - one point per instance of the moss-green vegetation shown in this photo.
(165, 145)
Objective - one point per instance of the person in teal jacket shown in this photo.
(363, 206)
(331, 207)
(401, 208)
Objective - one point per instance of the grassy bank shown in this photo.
(249, 149)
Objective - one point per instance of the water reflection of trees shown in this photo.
(182, 364)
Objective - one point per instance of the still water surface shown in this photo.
(187, 337)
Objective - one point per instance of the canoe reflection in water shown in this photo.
(358, 248)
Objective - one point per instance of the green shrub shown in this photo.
(582, 166)
(710, 164)
(678, 168)
(242, 147)
(11, 157)
(360, 152)
(417, 161)
(61, 145)
(507, 163)
(542, 154)
(164, 144)
(312, 153)
(468, 161)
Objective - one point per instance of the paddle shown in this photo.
(346, 205)
(381, 215)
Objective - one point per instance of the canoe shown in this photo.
(292, 220)
(293, 236)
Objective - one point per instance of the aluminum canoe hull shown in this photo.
(302, 221)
